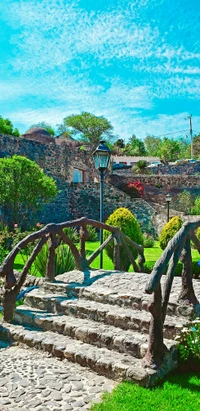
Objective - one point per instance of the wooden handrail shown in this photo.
(178, 248)
(51, 233)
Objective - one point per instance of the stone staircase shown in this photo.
(98, 319)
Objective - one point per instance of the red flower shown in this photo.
(138, 185)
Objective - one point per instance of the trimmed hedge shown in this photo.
(128, 224)
(169, 231)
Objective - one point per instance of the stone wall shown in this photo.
(157, 186)
(76, 200)
(57, 161)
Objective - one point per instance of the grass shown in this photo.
(151, 255)
(178, 393)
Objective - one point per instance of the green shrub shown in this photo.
(64, 260)
(169, 231)
(72, 233)
(148, 241)
(184, 202)
(196, 209)
(3, 254)
(6, 240)
(189, 341)
(148, 267)
(198, 233)
(128, 224)
(93, 236)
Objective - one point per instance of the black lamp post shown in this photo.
(101, 160)
(168, 201)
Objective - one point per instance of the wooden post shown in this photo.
(50, 270)
(156, 348)
(187, 293)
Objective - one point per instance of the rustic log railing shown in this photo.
(53, 233)
(178, 248)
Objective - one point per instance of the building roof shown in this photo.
(39, 134)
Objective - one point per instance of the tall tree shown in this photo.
(135, 147)
(6, 127)
(46, 126)
(152, 145)
(89, 127)
(169, 149)
(24, 188)
(196, 146)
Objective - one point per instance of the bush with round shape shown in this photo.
(128, 224)
(169, 231)
(148, 241)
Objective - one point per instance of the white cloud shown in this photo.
(61, 49)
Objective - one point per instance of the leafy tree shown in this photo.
(119, 143)
(135, 147)
(184, 148)
(169, 149)
(6, 127)
(196, 145)
(24, 188)
(90, 128)
(185, 202)
(46, 126)
(152, 145)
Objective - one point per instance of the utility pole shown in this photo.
(191, 141)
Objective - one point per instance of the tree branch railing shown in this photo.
(53, 234)
(178, 248)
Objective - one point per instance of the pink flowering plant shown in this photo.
(138, 186)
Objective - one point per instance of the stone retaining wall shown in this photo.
(157, 186)
(76, 200)
(56, 160)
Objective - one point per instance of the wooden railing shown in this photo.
(179, 248)
(53, 233)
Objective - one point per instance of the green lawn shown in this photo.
(178, 393)
(151, 255)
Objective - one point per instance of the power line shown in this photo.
(169, 134)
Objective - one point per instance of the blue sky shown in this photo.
(134, 62)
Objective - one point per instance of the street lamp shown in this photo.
(101, 160)
(168, 199)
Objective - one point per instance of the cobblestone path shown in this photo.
(31, 380)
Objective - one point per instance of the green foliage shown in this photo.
(184, 202)
(169, 231)
(196, 209)
(93, 236)
(6, 127)
(128, 224)
(3, 253)
(196, 145)
(64, 260)
(148, 241)
(72, 233)
(90, 127)
(24, 188)
(6, 240)
(198, 233)
(135, 147)
(148, 267)
(169, 149)
(152, 145)
(189, 341)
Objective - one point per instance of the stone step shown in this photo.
(124, 318)
(88, 331)
(118, 366)
(120, 288)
